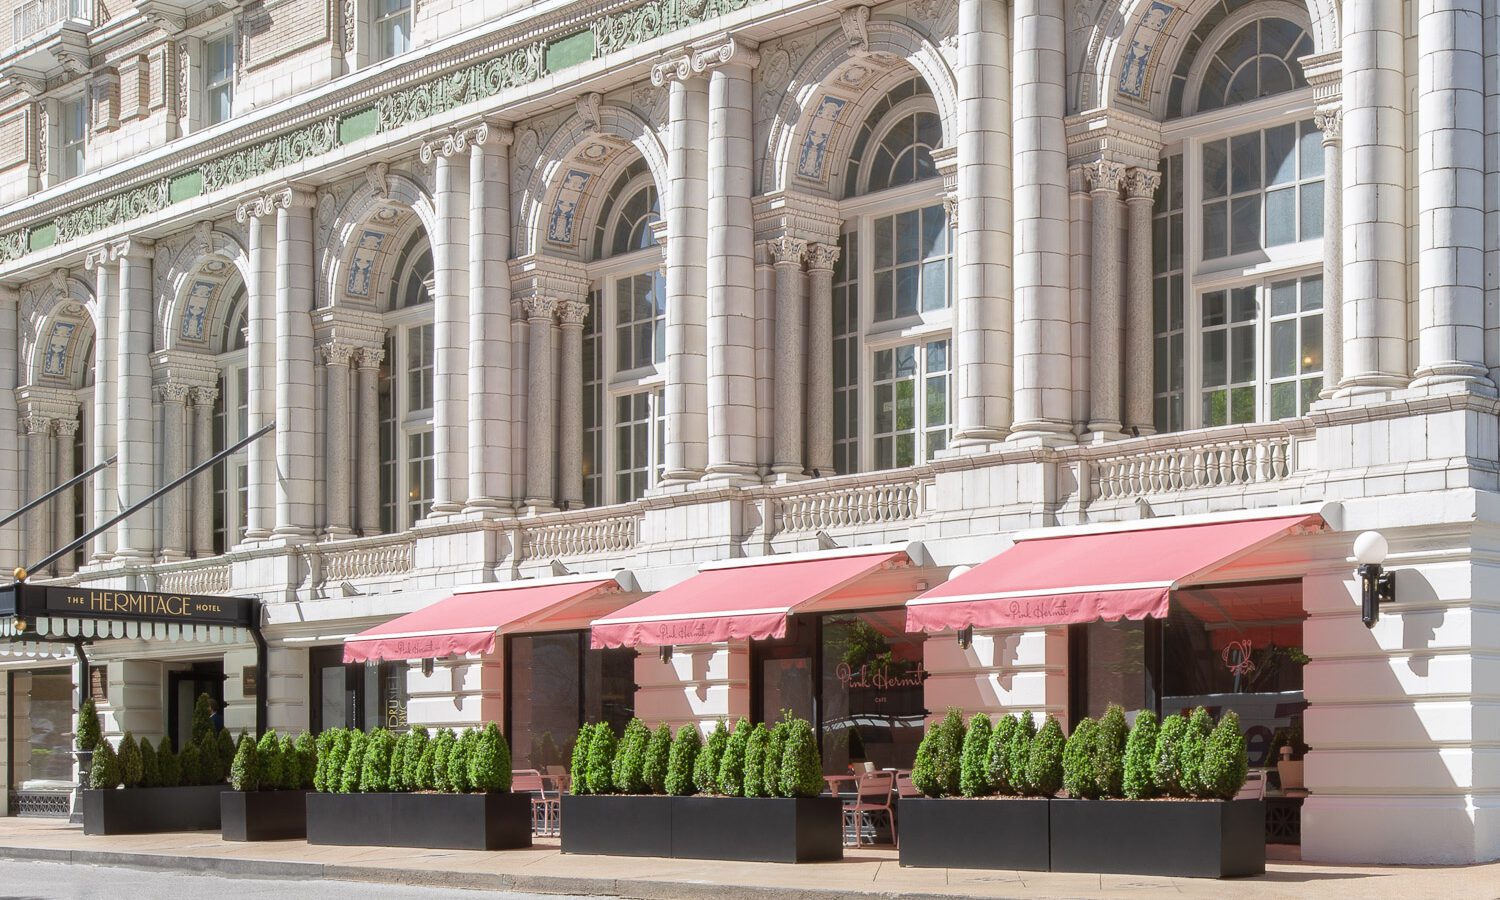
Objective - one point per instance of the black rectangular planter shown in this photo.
(994, 833)
(263, 815)
(617, 826)
(787, 830)
(1193, 838)
(152, 810)
(429, 821)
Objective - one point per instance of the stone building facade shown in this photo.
(644, 285)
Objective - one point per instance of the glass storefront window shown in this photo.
(868, 672)
(42, 723)
(556, 682)
(356, 695)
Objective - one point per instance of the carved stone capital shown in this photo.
(337, 354)
(1330, 121)
(537, 307)
(293, 197)
(673, 68)
(173, 391)
(950, 208)
(727, 51)
(492, 134)
(1104, 176)
(96, 258)
(256, 207)
(65, 428)
(1141, 184)
(205, 396)
(132, 248)
(572, 312)
(369, 357)
(787, 250)
(822, 257)
(34, 423)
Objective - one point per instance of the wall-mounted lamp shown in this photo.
(665, 651)
(427, 666)
(966, 637)
(1376, 586)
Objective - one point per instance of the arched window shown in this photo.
(893, 287)
(625, 344)
(231, 481)
(1238, 230)
(405, 391)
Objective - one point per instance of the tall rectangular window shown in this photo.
(638, 439)
(1167, 297)
(1229, 325)
(911, 263)
(640, 321)
(218, 79)
(846, 356)
(593, 406)
(912, 389)
(419, 475)
(390, 22)
(1262, 189)
(73, 120)
(1296, 345)
(421, 362)
(389, 427)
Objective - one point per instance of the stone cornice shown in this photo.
(512, 53)
(1115, 135)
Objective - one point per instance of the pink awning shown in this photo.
(468, 622)
(742, 600)
(1072, 578)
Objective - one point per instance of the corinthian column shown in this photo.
(450, 263)
(1451, 198)
(295, 410)
(491, 438)
(787, 253)
(368, 359)
(136, 432)
(203, 486)
(174, 396)
(67, 430)
(570, 316)
(539, 413)
(1331, 122)
(982, 289)
(106, 293)
(1104, 370)
(686, 394)
(38, 431)
(731, 262)
(1140, 329)
(259, 216)
(1374, 196)
(1043, 372)
(339, 446)
(820, 262)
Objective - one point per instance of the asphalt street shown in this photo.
(59, 881)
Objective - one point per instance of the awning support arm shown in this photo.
(81, 476)
(154, 496)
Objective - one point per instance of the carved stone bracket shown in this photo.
(855, 21)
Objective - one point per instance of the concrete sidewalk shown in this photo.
(864, 873)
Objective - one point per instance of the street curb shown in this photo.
(626, 889)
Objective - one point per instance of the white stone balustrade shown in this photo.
(1215, 459)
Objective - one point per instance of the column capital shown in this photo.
(173, 391)
(571, 313)
(96, 258)
(537, 308)
(678, 67)
(822, 257)
(1104, 175)
(369, 357)
(336, 353)
(205, 396)
(1141, 184)
(132, 248)
(35, 423)
(950, 208)
(491, 134)
(724, 50)
(1330, 121)
(268, 203)
(65, 427)
(454, 142)
(787, 250)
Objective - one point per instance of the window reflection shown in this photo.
(556, 683)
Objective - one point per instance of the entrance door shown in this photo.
(183, 689)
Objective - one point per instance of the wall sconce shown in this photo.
(665, 651)
(1376, 586)
(966, 637)
(427, 666)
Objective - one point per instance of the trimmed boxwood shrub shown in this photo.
(191, 762)
(225, 754)
(682, 761)
(244, 773)
(578, 765)
(1080, 775)
(732, 765)
(999, 756)
(444, 745)
(755, 761)
(974, 767)
(1140, 748)
(426, 770)
(458, 763)
(1225, 761)
(627, 770)
(306, 749)
(129, 756)
(354, 760)
(940, 757)
(1044, 765)
(489, 761)
(1166, 761)
(770, 781)
(1190, 752)
(1021, 739)
(1109, 751)
(271, 761)
(325, 749)
(706, 768)
(398, 763)
(600, 766)
(88, 732)
(801, 764)
(203, 720)
(104, 773)
(168, 765)
(150, 771)
(658, 758)
(375, 768)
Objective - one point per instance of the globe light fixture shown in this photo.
(1376, 586)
